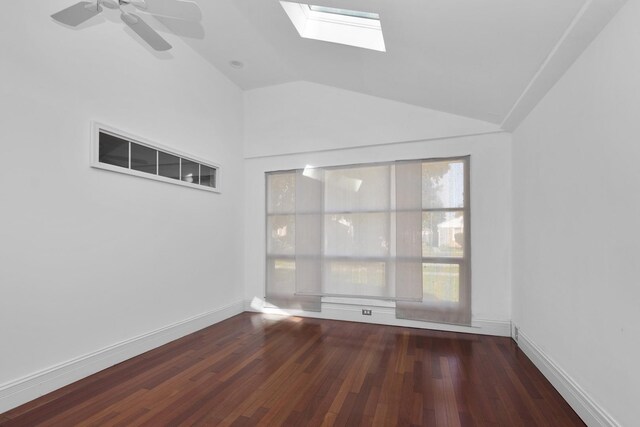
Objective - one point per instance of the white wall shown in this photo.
(490, 181)
(576, 228)
(90, 258)
(302, 116)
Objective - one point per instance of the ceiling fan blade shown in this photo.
(176, 9)
(78, 13)
(145, 32)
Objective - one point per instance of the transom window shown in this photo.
(115, 151)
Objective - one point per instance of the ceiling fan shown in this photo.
(83, 11)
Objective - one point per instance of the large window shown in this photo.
(395, 231)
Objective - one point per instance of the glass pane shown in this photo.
(281, 276)
(441, 282)
(168, 165)
(357, 189)
(281, 238)
(443, 184)
(281, 192)
(355, 278)
(443, 234)
(360, 235)
(208, 176)
(113, 150)
(190, 171)
(143, 158)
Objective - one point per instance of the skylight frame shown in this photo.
(343, 12)
(334, 27)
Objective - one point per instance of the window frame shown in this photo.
(342, 16)
(97, 128)
(463, 263)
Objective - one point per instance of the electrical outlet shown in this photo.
(516, 332)
(366, 312)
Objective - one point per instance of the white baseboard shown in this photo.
(25, 389)
(590, 412)
(384, 315)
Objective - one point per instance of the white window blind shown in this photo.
(393, 231)
(446, 250)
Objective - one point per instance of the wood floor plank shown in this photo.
(254, 370)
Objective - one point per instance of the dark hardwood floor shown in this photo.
(254, 369)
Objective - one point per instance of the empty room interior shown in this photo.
(344, 212)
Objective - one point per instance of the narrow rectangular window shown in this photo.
(116, 151)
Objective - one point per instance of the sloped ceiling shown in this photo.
(302, 116)
(490, 60)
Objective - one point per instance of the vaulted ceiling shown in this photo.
(480, 59)
(491, 60)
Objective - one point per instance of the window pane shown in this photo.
(281, 276)
(281, 234)
(168, 165)
(355, 278)
(357, 235)
(357, 189)
(443, 234)
(281, 193)
(208, 176)
(441, 282)
(143, 158)
(113, 150)
(443, 184)
(190, 171)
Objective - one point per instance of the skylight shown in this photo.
(343, 26)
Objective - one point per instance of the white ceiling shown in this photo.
(484, 59)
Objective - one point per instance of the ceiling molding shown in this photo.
(583, 29)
